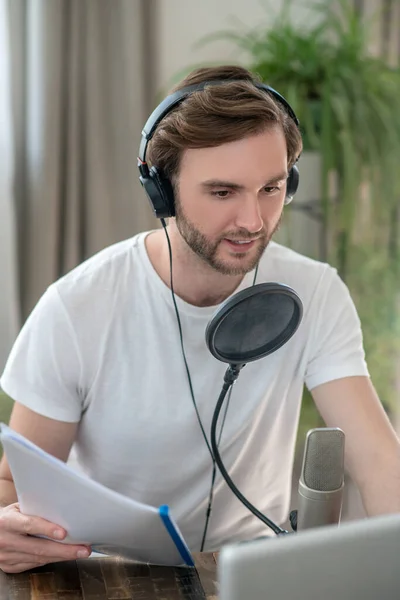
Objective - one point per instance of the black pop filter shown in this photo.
(254, 323)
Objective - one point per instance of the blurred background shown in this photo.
(78, 79)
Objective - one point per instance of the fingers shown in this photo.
(23, 529)
(12, 520)
(47, 549)
(24, 554)
(16, 562)
(20, 549)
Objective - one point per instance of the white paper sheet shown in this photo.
(91, 513)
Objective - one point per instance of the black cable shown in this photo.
(230, 377)
(214, 471)
(255, 274)
(181, 340)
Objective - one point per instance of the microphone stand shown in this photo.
(231, 374)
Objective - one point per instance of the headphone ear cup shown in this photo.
(166, 202)
(292, 184)
(167, 190)
(160, 193)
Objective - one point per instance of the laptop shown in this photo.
(357, 560)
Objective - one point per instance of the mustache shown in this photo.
(243, 234)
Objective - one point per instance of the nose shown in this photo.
(249, 214)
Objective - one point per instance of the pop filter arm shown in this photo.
(248, 326)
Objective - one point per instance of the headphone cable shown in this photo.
(214, 470)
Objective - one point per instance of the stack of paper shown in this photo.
(91, 513)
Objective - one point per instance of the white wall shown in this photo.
(180, 24)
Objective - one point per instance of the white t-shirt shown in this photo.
(102, 347)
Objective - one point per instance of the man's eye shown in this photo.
(271, 190)
(221, 193)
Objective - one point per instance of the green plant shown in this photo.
(6, 405)
(346, 100)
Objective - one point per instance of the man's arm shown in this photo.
(22, 546)
(55, 437)
(372, 446)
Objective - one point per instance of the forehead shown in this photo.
(264, 153)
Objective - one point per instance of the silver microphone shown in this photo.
(320, 491)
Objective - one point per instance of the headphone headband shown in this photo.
(157, 186)
(177, 97)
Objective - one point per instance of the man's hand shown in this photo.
(20, 551)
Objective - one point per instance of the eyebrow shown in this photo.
(212, 183)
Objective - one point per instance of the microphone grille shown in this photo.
(323, 463)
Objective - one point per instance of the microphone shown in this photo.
(321, 483)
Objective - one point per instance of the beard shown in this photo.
(207, 249)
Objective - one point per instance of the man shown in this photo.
(100, 365)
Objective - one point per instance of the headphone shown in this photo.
(158, 187)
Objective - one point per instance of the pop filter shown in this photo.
(254, 323)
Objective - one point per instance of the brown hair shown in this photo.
(217, 115)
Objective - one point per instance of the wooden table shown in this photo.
(113, 579)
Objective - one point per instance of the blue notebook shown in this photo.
(90, 512)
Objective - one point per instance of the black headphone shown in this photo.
(158, 187)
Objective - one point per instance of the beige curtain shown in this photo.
(9, 305)
(79, 95)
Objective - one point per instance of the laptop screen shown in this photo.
(357, 560)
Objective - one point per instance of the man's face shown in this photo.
(229, 200)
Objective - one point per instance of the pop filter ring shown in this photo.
(226, 309)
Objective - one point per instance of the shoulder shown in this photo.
(318, 284)
(102, 285)
(104, 262)
(108, 270)
(301, 272)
